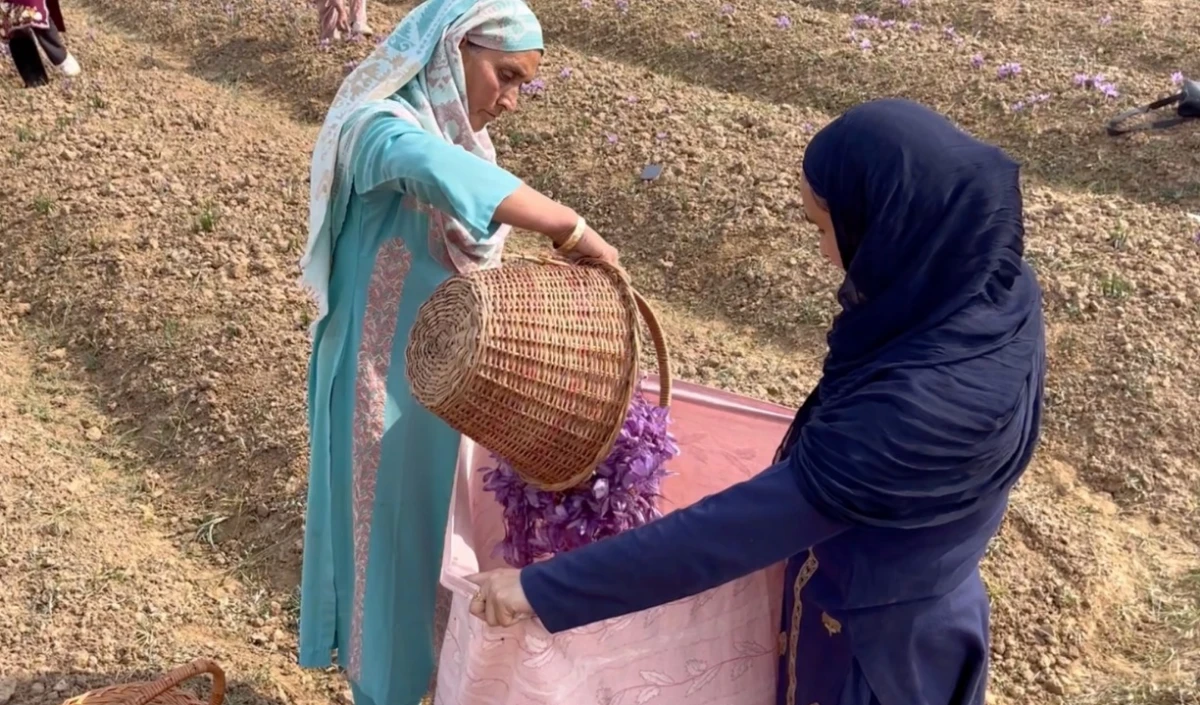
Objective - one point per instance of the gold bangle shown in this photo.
(573, 240)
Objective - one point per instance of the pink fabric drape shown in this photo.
(720, 647)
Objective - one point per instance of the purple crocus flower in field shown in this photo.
(534, 87)
(1177, 78)
(585, 4)
(612, 138)
(783, 22)
(566, 72)
(977, 61)
(906, 3)
(692, 36)
(1106, 20)
(915, 26)
(865, 45)
(726, 10)
(622, 6)
(864, 21)
(1008, 70)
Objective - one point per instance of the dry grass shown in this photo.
(147, 264)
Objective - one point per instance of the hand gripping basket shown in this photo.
(537, 361)
(164, 691)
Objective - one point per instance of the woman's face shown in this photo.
(494, 80)
(816, 213)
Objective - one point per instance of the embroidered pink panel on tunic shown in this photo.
(392, 264)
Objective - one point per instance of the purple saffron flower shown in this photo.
(1081, 80)
(622, 6)
(692, 36)
(621, 495)
(632, 99)
(915, 26)
(1106, 20)
(977, 61)
(1177, 78)
(864, 21)
(611, 138)
(865, 45)
(726, 10)
(807, 127)
(534, 87)
(585, 4)
(1109, 89)
(662, 136)
(566, 72)
(1008, 70)
(783, 22)
(888, 24)
(1018, 106)
(949, 32)
(906, 3)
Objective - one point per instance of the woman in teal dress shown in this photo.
(405, 192)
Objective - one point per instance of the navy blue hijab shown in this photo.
(931, 394)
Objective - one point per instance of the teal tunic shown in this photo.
(382, 467)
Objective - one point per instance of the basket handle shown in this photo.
(174, 677)
(661, 352)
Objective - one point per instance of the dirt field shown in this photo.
(153, 345)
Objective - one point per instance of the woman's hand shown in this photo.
(592, 246)
(527, 209)
(501, 600)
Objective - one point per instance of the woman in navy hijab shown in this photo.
(897, 470)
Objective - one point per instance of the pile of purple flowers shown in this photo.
(622, 494)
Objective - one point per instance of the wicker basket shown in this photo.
(164, 691)
(536, 361)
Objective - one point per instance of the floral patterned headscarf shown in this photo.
(424, 48)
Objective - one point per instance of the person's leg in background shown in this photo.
(358, 10)
(56, 50)
(332, 20)
(23, 48)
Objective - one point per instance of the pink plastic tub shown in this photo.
(719, 647)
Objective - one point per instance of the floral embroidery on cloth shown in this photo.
(392, 264)
(22, 14)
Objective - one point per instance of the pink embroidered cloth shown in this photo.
(718, 648)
